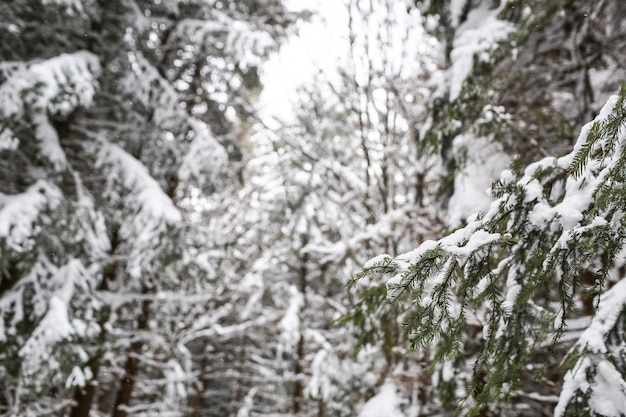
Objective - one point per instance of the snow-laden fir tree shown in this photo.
(517, 275)
(522, 77)
(100, 142)
(485, 112)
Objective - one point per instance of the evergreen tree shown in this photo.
(164, 251)
(102, 143)
(517, 276)
(503, 84)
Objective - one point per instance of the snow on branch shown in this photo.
(545, 225)
(595, 375)
(247, 44)
(390, 224)
(57, 85)
(151, 90)
(196, 30)
(54, 87)
(56, 287)
(20, 212)
(474, 40)
(70, 6)
(151, 212)
(149, 203)
(206, 161)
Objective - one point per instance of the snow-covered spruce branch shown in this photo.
(547, 223)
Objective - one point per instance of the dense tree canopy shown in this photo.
(112, 113)
(169, 249)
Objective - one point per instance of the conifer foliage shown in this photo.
(496, 305)
(514, 275)
(111, 113)
(168, 250)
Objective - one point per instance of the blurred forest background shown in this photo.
(172, 243)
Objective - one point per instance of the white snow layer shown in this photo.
(55, 325)
(456, 10)
(7, 140)
(376, 261)
(18, 213)
(56, 86)
(476, 36)
(143, 81)
(320, 385)
(484, 160)
(70, 6)
(152, 204)
(152, 210)
(290, 323)
(607, 388)
(247, 45)
(78, 377)
(207, 160)
(384, 404)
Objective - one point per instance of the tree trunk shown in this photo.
(131, 368)
(83, 398)
(298, 386)
(198, 400)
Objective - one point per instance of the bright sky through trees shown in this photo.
(320, 43)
